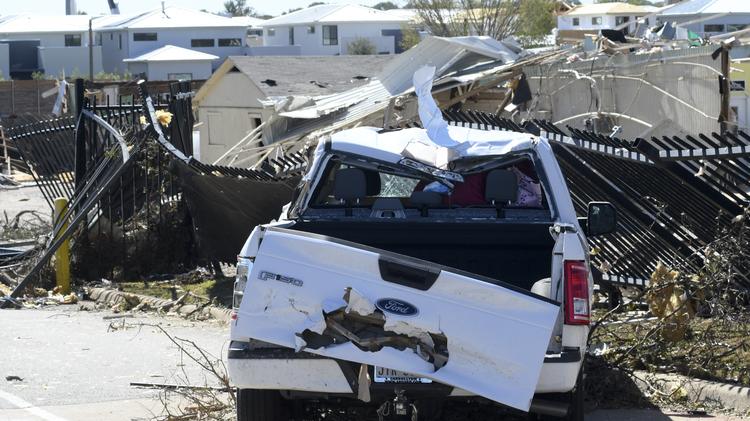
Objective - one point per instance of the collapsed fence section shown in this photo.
(669, 210)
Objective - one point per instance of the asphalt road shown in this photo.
(75, 367)
(27, 196)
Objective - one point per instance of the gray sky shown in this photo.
(96, 7)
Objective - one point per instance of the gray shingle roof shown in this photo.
(307, 75)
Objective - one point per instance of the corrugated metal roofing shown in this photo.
(697, 7)
(448, 55)
(173, 53)
(325, 13)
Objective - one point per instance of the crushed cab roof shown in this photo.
(392, 146)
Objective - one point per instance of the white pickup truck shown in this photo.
(405, 273)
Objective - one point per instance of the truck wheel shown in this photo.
(261, 405)
(575, 413)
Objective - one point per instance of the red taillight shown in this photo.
(576, 293)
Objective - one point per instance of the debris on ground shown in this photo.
(697, 325)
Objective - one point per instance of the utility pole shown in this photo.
(91, 51)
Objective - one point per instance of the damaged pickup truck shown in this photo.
(416, 266)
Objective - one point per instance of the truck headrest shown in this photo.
(350, 184)
(501, 186)
(372, 179)
(426, 199)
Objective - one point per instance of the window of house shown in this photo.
(713, 28)
(111, 36)
(596, 20)
(202, 42)
(735, 27)
(255, 32)
(576, 21)
(179, 76)
(270, 32)
(311, 29)
(619, 20)
(291, 35)
(144, 36)
(737, 85)
(120, 37)
(72, 40)
(230, 42)
(330, 35)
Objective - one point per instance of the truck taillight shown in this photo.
(576, 293)
(243, 269)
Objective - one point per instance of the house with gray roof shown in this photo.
(134, 36)
(709, 17)
(230, 103)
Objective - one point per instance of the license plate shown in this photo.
(387, 375)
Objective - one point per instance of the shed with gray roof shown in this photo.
(230, 103)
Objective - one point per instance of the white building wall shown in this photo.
(161, 70)
(73, 61)
(112, 53)
(227, 114)
(4, 61)
(565, 23)
(311, 44)
(181, 37)
(732, 20)
(47, 39)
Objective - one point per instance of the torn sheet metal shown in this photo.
(487, 339)
(450, 56)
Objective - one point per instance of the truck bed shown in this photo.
(514, 253)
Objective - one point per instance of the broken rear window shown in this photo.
(347, 184)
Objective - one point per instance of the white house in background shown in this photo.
(50, 44)
(591, 18)
(201, 31)
(254, 33)
(328, 29)
(172, 63)
(709, 17)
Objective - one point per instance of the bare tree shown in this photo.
(449, 18)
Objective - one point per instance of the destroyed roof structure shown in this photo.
(282, 76)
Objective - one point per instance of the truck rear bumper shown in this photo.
(284, 369)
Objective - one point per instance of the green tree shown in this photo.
(410, 36)
(536, 20)
(361, 47)
(82, 12)
(385, 5)
(315, 3)
(238, 8)
(292, 10)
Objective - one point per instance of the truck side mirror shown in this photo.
(602, 218)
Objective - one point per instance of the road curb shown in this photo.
(729, 396)
(112, 297)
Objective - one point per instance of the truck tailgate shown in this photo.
(342, 300)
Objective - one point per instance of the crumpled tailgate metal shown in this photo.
(329, 297)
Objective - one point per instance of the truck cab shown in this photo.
(404, 271)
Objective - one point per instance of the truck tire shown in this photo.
(261, 405)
